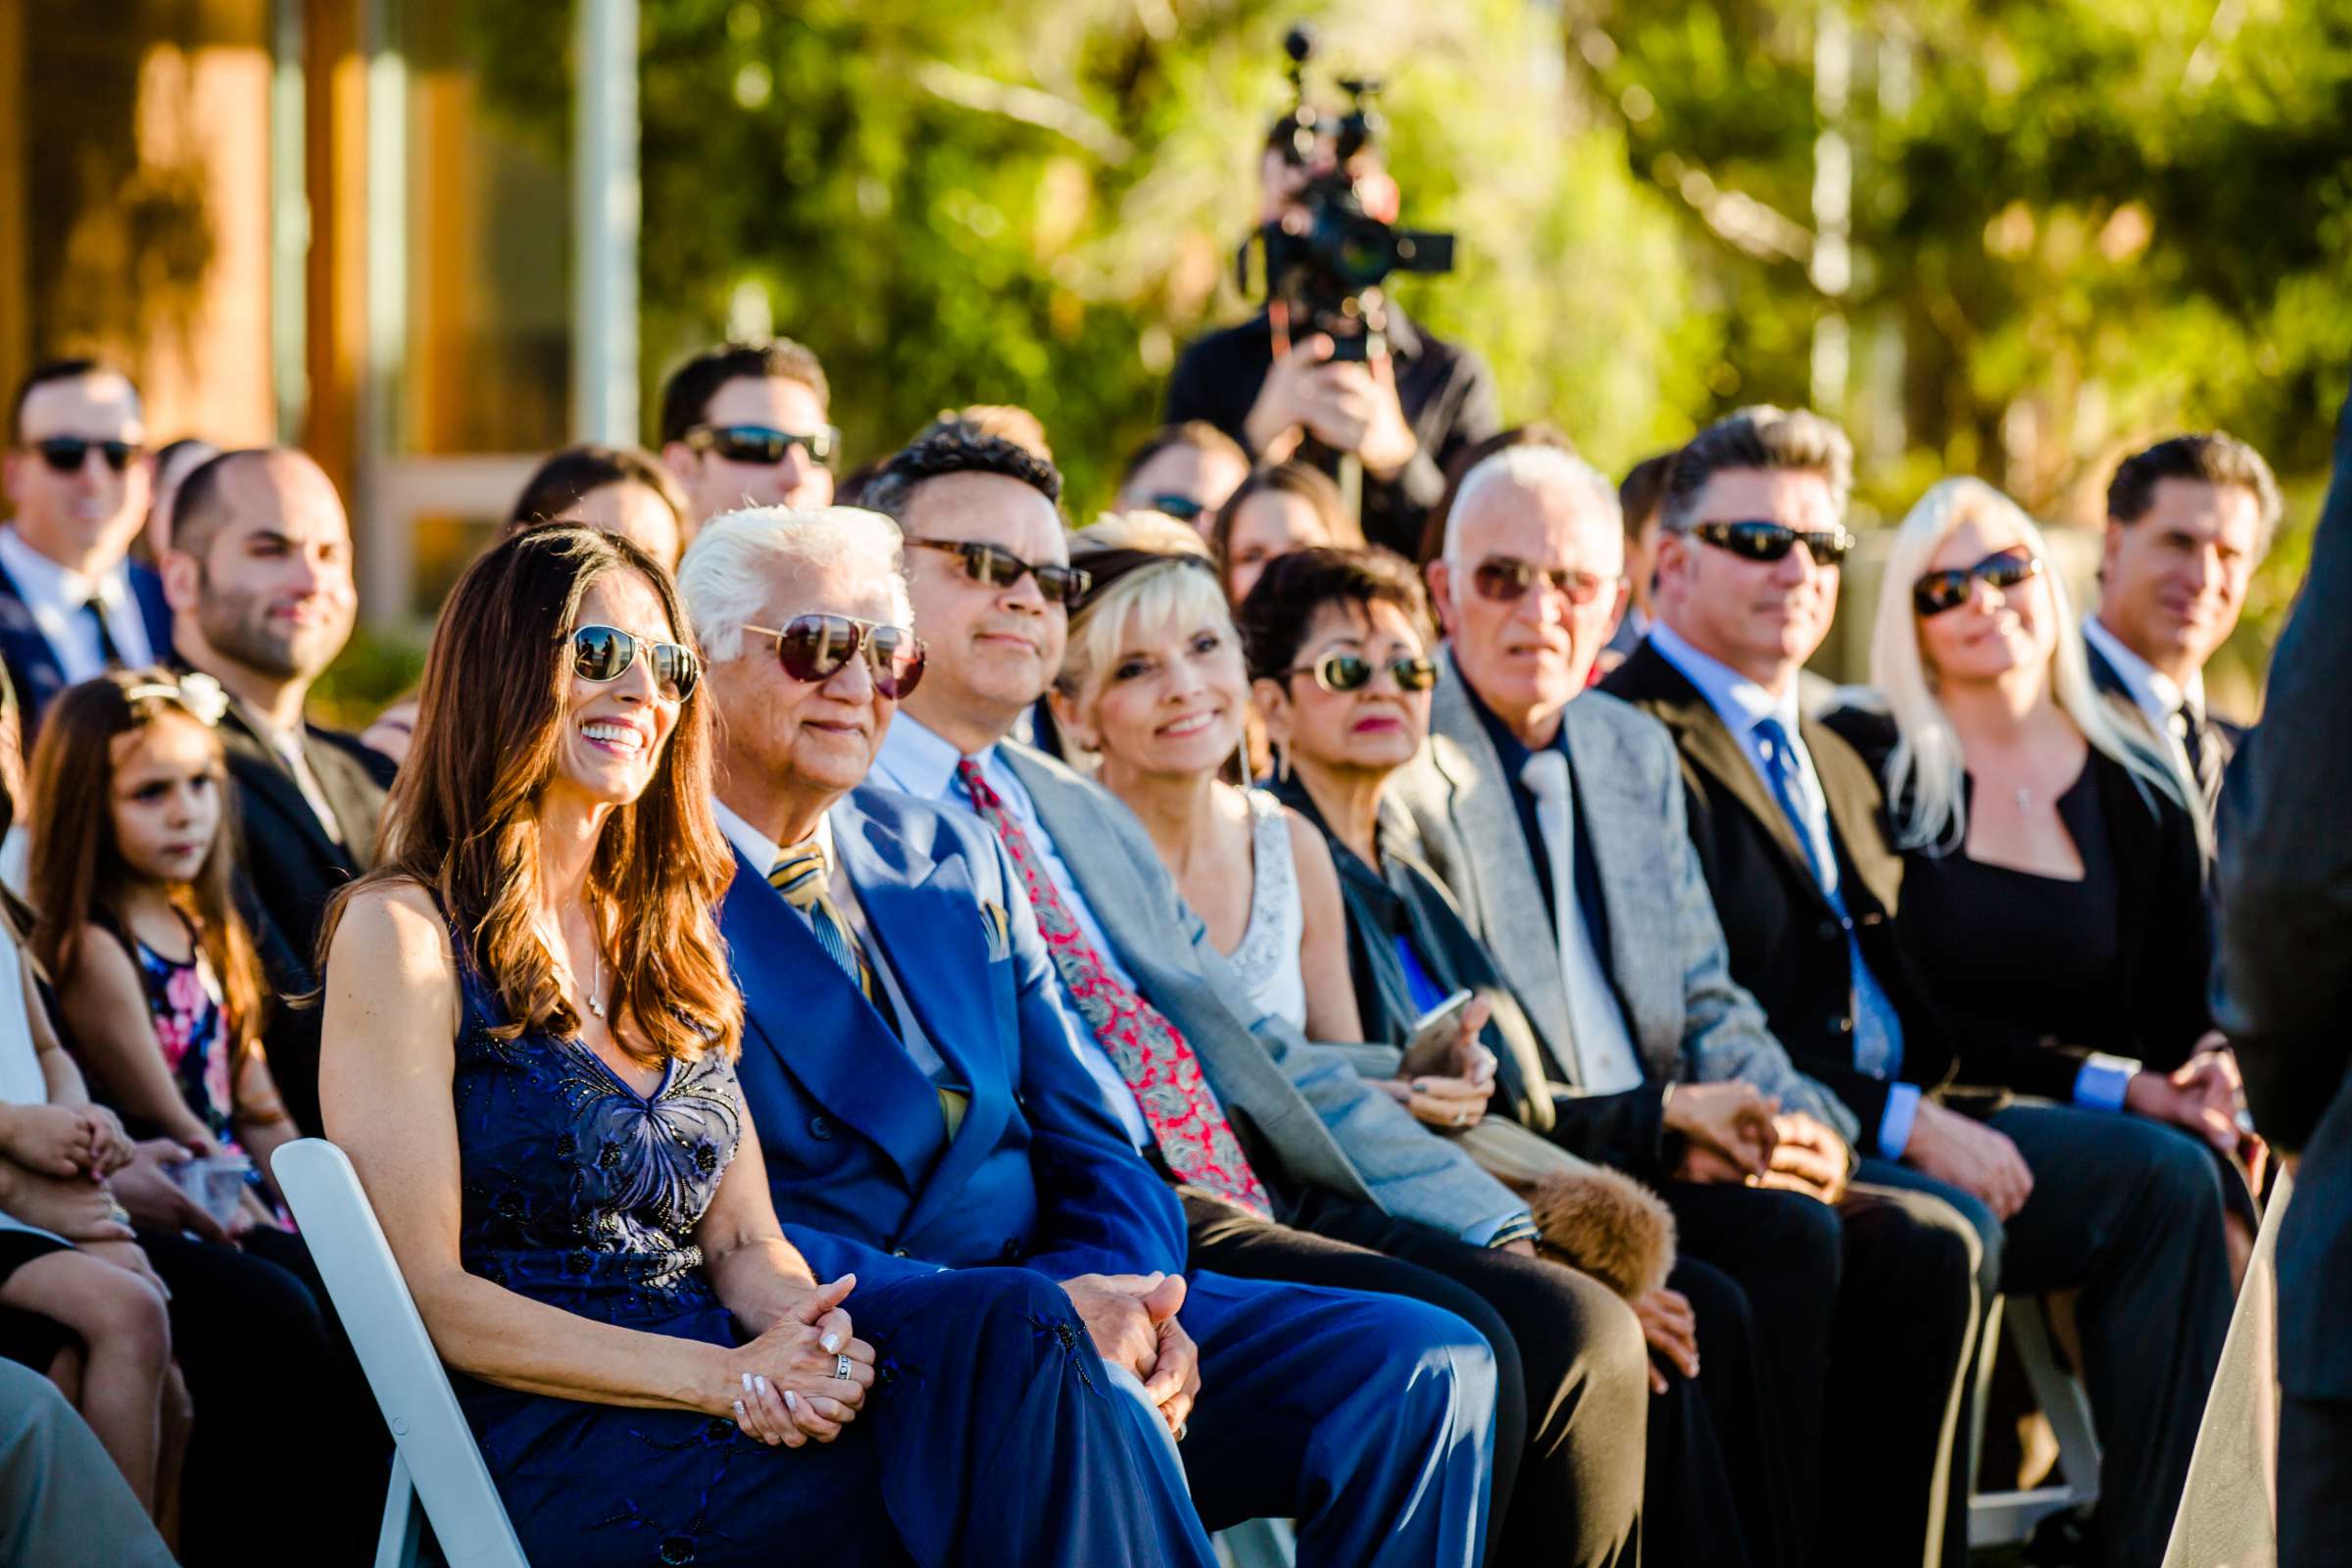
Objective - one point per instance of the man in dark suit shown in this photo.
(2285, 988)
(259, 575)
(71, 604)
(1788, 822)
(914, 1081)
(2188, 519)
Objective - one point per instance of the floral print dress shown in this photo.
(191, 1026)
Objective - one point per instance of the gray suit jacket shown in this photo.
(1330, 1129)
(1666, 952)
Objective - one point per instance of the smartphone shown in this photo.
(1429, 1049)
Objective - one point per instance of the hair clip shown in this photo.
(197, 693)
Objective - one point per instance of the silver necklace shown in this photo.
(596, 997)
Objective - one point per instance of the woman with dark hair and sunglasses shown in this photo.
(531, 1033)
(1287, 507)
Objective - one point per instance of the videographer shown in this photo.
(1280, 385)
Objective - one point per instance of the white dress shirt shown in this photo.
(2154, 693)
(916, 761)
(56, 595)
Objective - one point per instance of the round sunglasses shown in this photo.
(999, 568)
(814, 647)
(602, 654)
(1938, 591)
(1505, 578)
(1761, 541)
(1353, 673)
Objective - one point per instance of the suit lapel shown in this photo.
(351, 794)
(31, 661)
(263, 774)
(804, 1010)
(1857, 815)
(1107, 881)
(933, 939)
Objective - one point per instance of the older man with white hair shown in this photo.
(915, 1083)
(1557, 817)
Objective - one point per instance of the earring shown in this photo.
(1282, 762)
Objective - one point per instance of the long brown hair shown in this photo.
(78, 868)
(462, 818)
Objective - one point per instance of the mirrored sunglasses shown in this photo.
(603, 653)
(814, 647)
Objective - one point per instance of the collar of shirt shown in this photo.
(916, 760)
(763, 851)
(2153, 692)
(37, 577)
(1512, 751)
(1737, 701)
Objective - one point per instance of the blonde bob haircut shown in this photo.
(1181, 590)
(1927, 774)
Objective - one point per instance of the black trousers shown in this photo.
(289, 1456)
(1572, 1433)
(2314, 1482)
(1865, 1312)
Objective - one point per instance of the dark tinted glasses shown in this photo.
(65, 454)
(1353, 673)
(763, 446)
(1757, 540)
(1002, 568)
(1184, 509)
(1504, 579)
(605, 653)
(1939, 591)
(814, 647)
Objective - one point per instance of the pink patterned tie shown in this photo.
(1193, 1136)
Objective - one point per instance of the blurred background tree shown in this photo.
(2011, 237)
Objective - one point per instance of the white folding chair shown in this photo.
(2008, 1518)
(437, 1472)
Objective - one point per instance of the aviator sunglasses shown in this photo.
(65, 454)
(1504, 579)
(812, 648)
(762, 445)
(1353, 673)
(1938, 591)
(999, 568)
(602, 654)
(1758, 539)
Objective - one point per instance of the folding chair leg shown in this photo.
(403, 1531)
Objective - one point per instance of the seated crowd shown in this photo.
(1087, 1038)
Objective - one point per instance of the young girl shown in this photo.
(158, 981)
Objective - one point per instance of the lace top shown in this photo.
(1267, 959)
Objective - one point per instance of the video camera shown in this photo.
(1324, 254)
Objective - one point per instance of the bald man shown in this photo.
(259, 579)
(72, 606)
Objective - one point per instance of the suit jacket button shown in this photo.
(897, 1251)
(820, 1127)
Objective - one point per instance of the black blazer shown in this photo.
(2164, 936)
(1787, 948)
(32, 663)
(2221, 735)
(291, 867)
(2285, 985)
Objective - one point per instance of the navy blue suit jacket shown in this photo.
(864, 1176)
(32, 666)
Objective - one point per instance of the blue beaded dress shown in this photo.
(993, 1434)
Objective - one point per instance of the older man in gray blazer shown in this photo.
(1290, 1166)
(1557, 817)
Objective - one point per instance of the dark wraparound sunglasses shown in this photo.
(65, 454)
(999, 568)
(605, 653)
(761, 445)
(1758, 539)
(814, 647)
(1504, 579)
(1938, 591)
(1184, 509)
(1353, 673)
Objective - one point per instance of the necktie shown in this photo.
(2204, 757)
(1193, 1136)
(1599, 1047)
(1878, 1030)
(802, 875)
(94, 608)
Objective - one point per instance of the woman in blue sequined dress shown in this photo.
(530, 1039)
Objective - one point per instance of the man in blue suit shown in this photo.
(912, 1075)
(72, 604)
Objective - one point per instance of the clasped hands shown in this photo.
(2202, 1096)
(1132, 1320)
(1453, 1103)
(784, 1385)
(1350, 405)
(1734, 1133)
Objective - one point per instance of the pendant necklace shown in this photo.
(596, 997)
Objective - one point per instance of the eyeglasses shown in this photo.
(603, 653)
(1184, 509)
(814, 647)
(65, 454)
(762, 445)
(1761, 541)
(1939, 591)
(1353, 673)
(1002, 568)
(1504, 579)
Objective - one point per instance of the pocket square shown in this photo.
(999, 930)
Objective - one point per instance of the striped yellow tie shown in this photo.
(800, 876)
